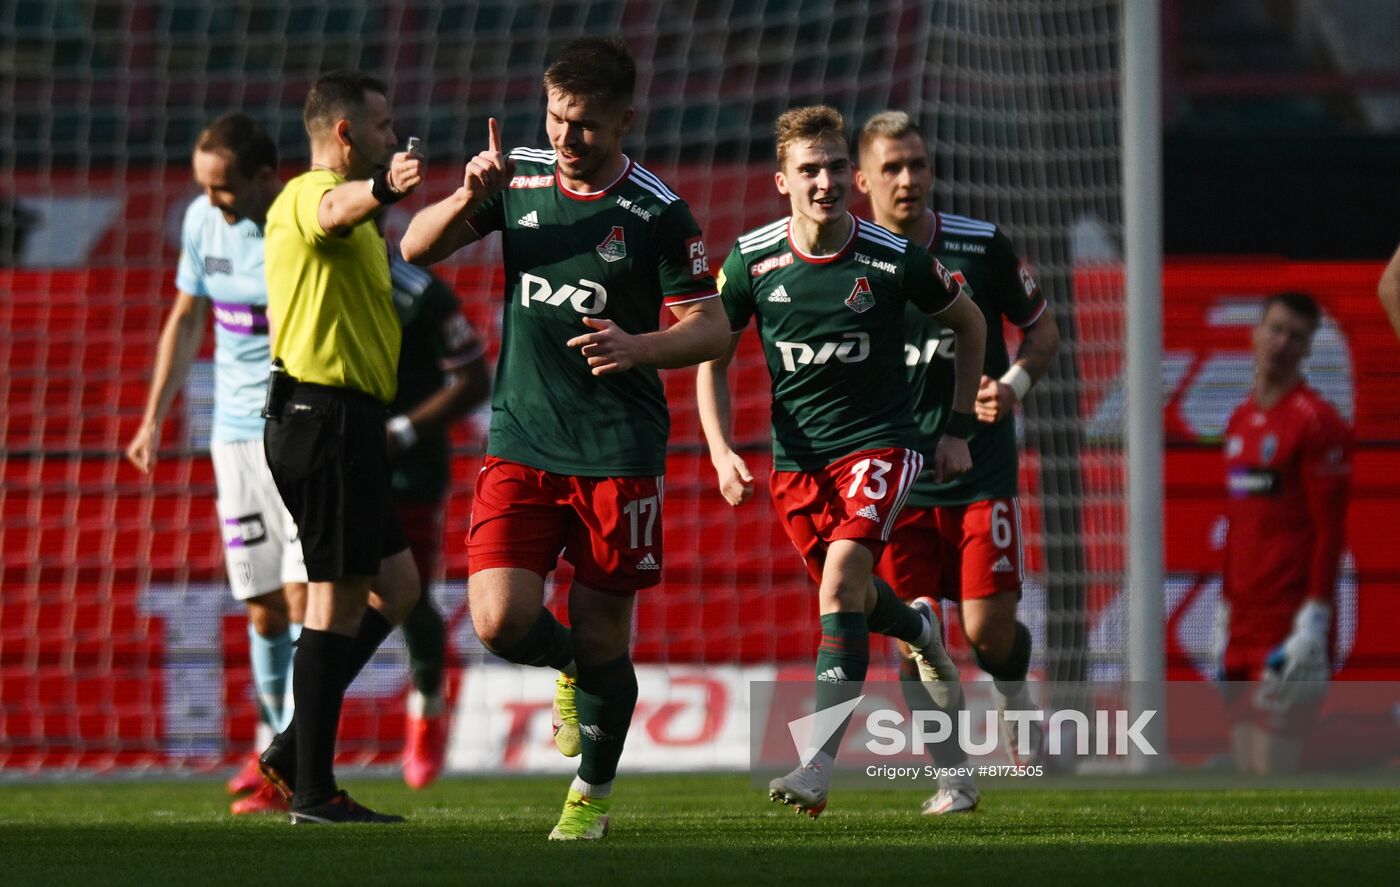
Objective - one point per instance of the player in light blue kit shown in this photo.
(221, 271)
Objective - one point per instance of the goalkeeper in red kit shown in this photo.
(1288, 475)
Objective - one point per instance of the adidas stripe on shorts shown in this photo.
(609, 528)
(956, 552)
(857, 497)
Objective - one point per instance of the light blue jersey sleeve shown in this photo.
(224, 263)
(189, 277)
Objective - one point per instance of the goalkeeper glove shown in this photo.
(1303, 654)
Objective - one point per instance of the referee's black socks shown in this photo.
(374, 628)
(318, 687)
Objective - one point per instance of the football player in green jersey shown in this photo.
(828, 293)
(965, 535)
(595, 245)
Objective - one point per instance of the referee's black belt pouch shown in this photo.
(280, 385)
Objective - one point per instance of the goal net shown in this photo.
(119, 644)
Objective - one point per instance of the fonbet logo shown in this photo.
(1113, 730)
(587, 297)
(854, 348)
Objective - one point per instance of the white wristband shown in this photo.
(403, 431)
(1019, 380)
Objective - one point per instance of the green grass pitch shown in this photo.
(700, 829)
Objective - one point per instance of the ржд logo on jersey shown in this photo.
(861, 298)
(854, 349)
(613, 246)
(587, 298)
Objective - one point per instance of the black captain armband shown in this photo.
(960, 425)
(383, 191)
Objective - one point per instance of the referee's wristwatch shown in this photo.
(401, 429)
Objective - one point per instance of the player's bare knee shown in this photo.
(990, 628)
(295, 594)
(992, 643)
(843, 597)
(267, 613)
(501, 628)
(397, 587)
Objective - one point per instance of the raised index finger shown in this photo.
(494, 140)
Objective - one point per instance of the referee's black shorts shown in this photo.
(330, 460)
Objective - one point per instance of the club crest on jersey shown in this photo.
(1268, 448)
(861, 298)
(613, 246)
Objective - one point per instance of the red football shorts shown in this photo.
(957, 552)
(1255, 632)
(856, 497)
(609, 528)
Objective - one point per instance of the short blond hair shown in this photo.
(887, 125)
(813, 123)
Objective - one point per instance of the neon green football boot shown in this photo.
(583, 819)
(566, 737)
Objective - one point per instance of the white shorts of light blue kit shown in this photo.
(260, 537)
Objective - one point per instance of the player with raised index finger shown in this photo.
(595, 246)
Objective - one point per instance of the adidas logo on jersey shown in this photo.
(779, 295)
(648, 563)
(1003, 565)
(835, 675)
(869, 513)
(530, 220)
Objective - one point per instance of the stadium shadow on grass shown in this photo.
(697, 829)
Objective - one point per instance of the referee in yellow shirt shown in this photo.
(337, 335)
